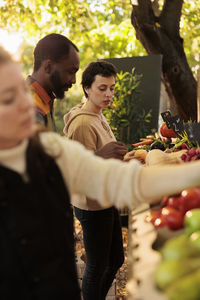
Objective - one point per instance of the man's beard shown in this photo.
(58, 87)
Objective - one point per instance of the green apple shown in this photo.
(168, 271)
(192, 221)
(186, 288)
(195, 238)
(179, 247)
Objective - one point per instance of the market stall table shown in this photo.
(142, 259)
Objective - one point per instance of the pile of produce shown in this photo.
(166, 141)
(178, 274)
(174, 208)
(191, 155)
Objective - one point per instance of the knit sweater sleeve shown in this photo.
(110, 182)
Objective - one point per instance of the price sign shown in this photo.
(166, 115)
(173, 122)
(193, 131)
(177, 124)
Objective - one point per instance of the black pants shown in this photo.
(102, 238)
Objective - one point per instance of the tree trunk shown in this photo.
(158, 31)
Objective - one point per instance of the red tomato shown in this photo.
(159, 222)
(173, 218)
(189, 199)
(166, 132)
(154, 214)
(174, 201)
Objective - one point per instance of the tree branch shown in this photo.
(170, 17)
(144, 11)
(144, 21)
(160, 35)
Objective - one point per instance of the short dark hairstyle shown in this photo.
(102, 68)
(53, 46)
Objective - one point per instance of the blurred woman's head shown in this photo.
(16, 104)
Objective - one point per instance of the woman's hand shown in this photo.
(139, 154)
(112, 150)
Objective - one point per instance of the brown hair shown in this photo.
(100, 67)
(5, 57)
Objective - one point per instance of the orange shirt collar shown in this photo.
(41, 92)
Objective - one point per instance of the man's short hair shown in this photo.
(102, 68)
(53, 46)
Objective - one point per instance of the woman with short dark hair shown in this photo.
(102, 233)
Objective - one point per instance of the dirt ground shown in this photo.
(121, 277)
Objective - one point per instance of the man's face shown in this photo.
(64, 73)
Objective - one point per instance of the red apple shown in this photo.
(153, 215)
(159, 222)
(174, 202)
(173, 218)
(189, 199)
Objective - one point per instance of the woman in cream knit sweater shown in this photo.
(39, 171)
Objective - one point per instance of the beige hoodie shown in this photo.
(93, 131)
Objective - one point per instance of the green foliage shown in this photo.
(190, 32)
(100, 29)
(110, 41)
(26, 53)
(94, 25)
(126, 117)
(44, 16)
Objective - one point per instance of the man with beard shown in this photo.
(56, 61)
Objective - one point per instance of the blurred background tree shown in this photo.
(160, 27)
(100, 28)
